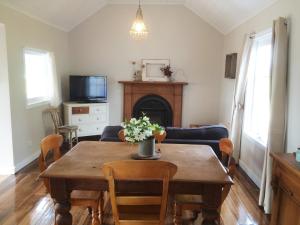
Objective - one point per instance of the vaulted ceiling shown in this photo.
(224, 15)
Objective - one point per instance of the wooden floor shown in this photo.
(23, 201)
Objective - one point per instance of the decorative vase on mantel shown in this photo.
(171, 79)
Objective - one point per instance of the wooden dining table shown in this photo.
(199, 172)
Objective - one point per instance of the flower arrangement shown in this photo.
(138, 130)
(167, 71)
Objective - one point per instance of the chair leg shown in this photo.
(76, 137)
(102, 206)
(177, 220)
(54, 214)
(70, 140)
(195, 215)
(95, 215)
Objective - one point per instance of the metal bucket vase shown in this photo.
(147, 148)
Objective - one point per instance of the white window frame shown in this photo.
(249, 133)
(38, 101)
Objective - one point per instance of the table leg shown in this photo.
(212, 201)
(61, 197)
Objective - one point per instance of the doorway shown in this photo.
(6, 140)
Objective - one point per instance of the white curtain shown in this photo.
(55, 95)
(278, 100)
(239, 98)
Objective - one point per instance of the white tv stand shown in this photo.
(91, 118)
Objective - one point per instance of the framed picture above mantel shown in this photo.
(152, 69)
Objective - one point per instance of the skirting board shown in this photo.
(7, 170)
(26, 161)
(249, 172)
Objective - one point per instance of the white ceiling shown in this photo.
(224, 15)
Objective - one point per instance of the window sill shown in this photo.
(37, 104)
(256, 140)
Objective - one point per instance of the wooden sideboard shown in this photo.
(286, 187)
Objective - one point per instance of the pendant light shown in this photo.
(138, 29)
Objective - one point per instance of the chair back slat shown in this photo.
(226, 148)
(139, 170)
(56, 118)
(52, 143)
(121, 135)
(139, 200)
(138, 222)
(160, 137)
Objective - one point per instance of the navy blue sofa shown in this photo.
(206, 135)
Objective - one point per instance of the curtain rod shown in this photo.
(253, 34)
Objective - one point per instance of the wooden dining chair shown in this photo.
(68, 131)
(138, 171)
(195, 202)
(160, 136)
(93, 200)
(121, 135)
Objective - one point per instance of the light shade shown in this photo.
(138, 29)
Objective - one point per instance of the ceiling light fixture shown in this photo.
(138, 29)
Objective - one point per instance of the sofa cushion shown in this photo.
(110, 133)
(202, 133)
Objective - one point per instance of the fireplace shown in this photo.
(161, 101)
(156, 108)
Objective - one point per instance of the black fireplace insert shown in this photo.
(156, 108)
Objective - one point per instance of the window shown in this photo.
(257, 102)
(39, 76)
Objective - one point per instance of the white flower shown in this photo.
(133, 120)
(137, 130)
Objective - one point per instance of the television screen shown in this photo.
(88, 88)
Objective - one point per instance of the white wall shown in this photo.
(6, 143)
(234, 43)
(102, 45)
(27, 124)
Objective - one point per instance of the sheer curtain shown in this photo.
(278, 100)
(239, 98)
(55, 95)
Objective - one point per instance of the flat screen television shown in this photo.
(88, 88)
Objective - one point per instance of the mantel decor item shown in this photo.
(167, 72)
(138, 29)
(142, 131)
(152, 69)
(137, 73)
